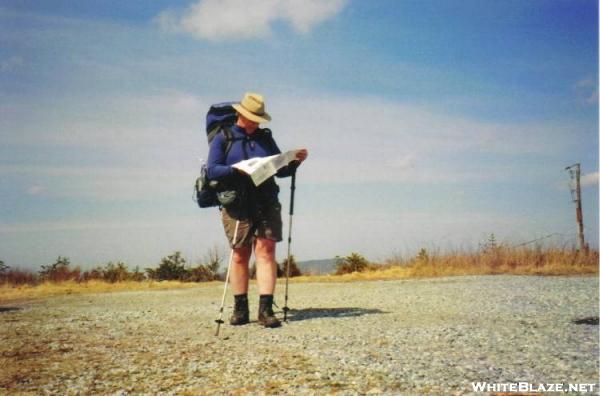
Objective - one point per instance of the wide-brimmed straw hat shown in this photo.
(252, 107)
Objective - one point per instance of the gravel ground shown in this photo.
(381, 337)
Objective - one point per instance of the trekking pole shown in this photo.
(220, 320)
(287, 272)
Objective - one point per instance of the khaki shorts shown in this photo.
(266, 224)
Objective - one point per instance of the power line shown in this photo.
(538, 239)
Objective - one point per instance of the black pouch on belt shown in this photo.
(227, 198)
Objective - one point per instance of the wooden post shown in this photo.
(575, 171)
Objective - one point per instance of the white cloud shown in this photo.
(305, 14)
(239, 20)
(589, 179)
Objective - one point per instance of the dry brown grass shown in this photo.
(49, 289)
(501, 260)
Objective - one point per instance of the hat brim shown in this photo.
(251, 116)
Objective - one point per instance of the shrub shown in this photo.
(115, 272)
(201, 273)
(93, 274)
(137, 275)
(252, 272)
(352, 263)
(170, 268)
(14, 276)
(209, 269)
(294, 270)
(423, 256)
(59, 271)
(213, 259)
(173, 267)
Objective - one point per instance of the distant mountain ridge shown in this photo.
(317, 267)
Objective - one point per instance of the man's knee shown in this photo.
(242, 255)
(265, 248)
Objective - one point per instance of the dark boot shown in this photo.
(266, 317)
(241, 315)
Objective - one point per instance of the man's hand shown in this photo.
(301, 155)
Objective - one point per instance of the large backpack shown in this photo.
(219, 119)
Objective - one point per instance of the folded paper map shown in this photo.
(261, 168)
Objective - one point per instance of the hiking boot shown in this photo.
(266, 317)
(241, 314)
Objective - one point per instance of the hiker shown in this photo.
(257, 208)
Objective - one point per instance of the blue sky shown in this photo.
(428, 123)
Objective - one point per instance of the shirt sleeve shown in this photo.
(216, 165)
(287, 170)
(274, 146)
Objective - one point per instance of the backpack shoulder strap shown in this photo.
(229, 139)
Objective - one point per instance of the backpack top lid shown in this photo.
(219, 115)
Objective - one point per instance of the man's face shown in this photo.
(247, 124)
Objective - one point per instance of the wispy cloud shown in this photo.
(239, 20)
(118, 123)
(155, 140)
(130, 224)
(370, 139)
(106, 183)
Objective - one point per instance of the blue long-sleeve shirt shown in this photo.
(243, 146)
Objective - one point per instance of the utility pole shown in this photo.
(575, 173)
